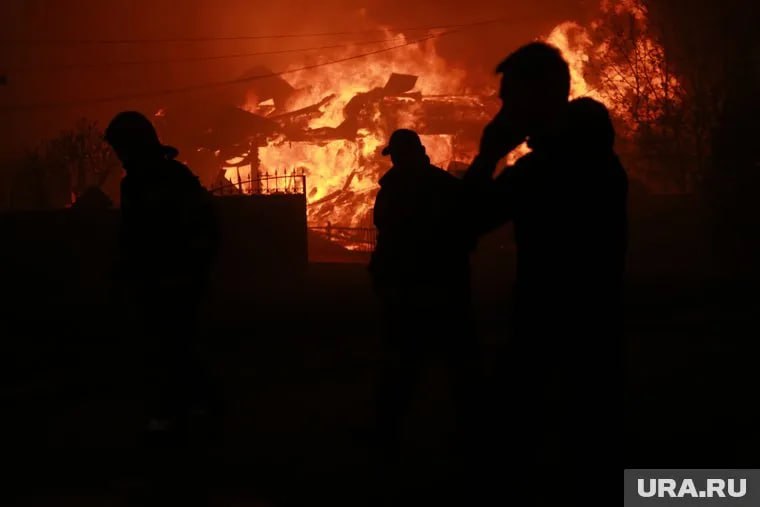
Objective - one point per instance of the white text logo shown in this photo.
(671, 488)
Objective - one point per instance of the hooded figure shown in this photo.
(167, 224)
(168, 239)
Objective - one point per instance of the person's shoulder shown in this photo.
(181, 173)
(177, 167)
(125, 184)
(618, 171)
(589, 125)
(390, 177)
(442, 175)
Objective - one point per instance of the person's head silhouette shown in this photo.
(134, 139)
(405, 148)
(590, 125)
(535, 86)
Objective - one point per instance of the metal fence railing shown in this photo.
(360, 239)
(276, 183)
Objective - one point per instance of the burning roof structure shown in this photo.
(341, 161)
(329, 122)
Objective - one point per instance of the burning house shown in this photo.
(248, 148)
(328, 121)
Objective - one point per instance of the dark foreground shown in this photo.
(296, 386)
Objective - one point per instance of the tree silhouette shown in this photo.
(55, 173)
(632, 69)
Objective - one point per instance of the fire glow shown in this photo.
(350, 109)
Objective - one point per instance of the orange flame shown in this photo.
(345, 171)
(342, 173)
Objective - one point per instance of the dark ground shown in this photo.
(296, 382)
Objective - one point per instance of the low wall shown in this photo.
(57, 266)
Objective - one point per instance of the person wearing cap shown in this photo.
(167, 244)
(420, 271)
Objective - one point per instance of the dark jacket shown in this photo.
(422, 239)
(567, 200)
(168, 225)
(563, 371)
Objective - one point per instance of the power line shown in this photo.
(203, 86)
(84, 65)
(233, 38)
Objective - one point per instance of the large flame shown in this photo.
(342, 171)
(627, 65)
(342, 174)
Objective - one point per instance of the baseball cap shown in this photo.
(402, 139)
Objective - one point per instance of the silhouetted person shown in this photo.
(93, 199)
(167, 245)
(562, 379)
(420, 269)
